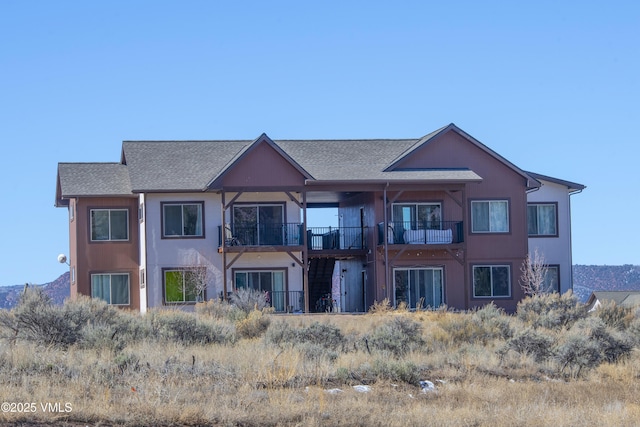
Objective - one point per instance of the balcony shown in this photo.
(336, 238)
(318, 238)
(261, 235)
(425, 233)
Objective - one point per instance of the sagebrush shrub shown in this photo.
(531, 342)
(397, 336)
(322, 334)
(613, 343)
(551, 311)
(577, 352)
(614, 315)
(254, 325)
(493, 321)
(186, 328)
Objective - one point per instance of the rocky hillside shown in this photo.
(589, 278)
(58, 290)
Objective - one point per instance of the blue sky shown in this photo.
(552, 86)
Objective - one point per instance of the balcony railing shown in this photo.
(261, 235)
(340, 238)
(287, 301)
(318, 238)
(422, 233)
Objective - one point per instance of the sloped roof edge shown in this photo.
(572, 186)
(264, 138)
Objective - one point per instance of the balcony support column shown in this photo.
(305, 253)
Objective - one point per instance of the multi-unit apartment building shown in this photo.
(437, 220)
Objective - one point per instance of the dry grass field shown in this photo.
(88, 364)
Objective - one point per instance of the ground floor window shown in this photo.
(111, 287)
(551, 279)
(491, 281)
(183, 286)
(272, 282)
(418, 287)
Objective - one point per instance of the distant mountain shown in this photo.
(58, 290)
(589, 278)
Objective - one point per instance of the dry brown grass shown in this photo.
(253, 382)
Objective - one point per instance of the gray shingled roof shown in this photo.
(178, 165)
(93, 179)
(621, 298)
(362, 160)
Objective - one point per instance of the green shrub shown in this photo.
(398, 336)
(551, 311)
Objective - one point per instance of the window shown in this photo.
(271, 282)
(551, 280)
(491, 281)
(184, 285)
(542, 219)
(72, 210)
(417, 216)
(182, 220)
(418, 287)
(113, 288)
(109, 224)
(256, 225)
(490, 216)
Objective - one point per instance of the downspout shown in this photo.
(386, 243)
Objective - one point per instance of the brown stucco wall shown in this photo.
(106, 257)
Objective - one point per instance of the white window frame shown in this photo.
(110, 210)
(110, 275)
(491, 225)
(491, 272)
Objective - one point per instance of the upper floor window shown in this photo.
(183, 219)
(491, 281)
(417, 216)
(109, 224)
(113, 288)
(490, 216)
(542, 219)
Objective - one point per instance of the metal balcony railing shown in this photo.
(341, 238)
(261, 235)
(424, 233)
(287, 301)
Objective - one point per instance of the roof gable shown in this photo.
(261, 164)
(429, 152)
